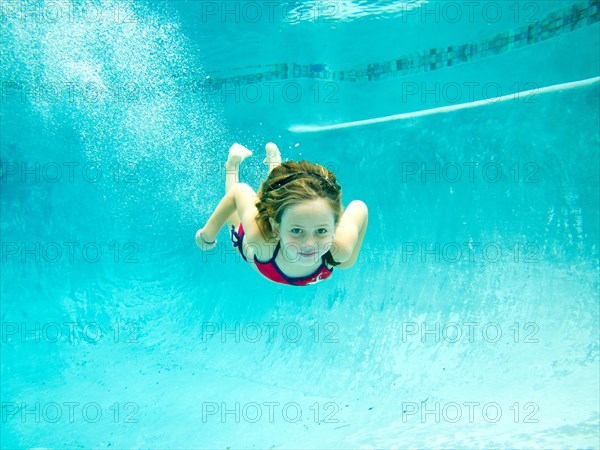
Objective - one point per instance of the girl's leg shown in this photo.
(273, 158)
(237, 154)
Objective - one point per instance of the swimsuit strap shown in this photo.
(276, 251)
(237, 242)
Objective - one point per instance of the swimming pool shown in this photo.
(471, 317)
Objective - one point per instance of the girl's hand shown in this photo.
(200, 242)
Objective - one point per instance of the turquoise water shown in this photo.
(471, 317)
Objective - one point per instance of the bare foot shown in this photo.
(273, 158)
(237, 153)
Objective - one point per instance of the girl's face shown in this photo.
(306, 231)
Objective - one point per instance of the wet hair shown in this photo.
(294, 182)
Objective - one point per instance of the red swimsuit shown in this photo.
(273, 272)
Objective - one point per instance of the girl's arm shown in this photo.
(239, 198)
(350, 233)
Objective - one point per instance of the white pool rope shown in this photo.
(443, 109)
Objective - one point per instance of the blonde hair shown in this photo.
(291, 183)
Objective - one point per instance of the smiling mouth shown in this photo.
(308, 254)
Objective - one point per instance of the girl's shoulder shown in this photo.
(254, 242)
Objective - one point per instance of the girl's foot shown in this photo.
(237, 153)
(273, 158)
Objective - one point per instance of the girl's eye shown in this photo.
(298, 230)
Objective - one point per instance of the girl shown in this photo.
(294, 230)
